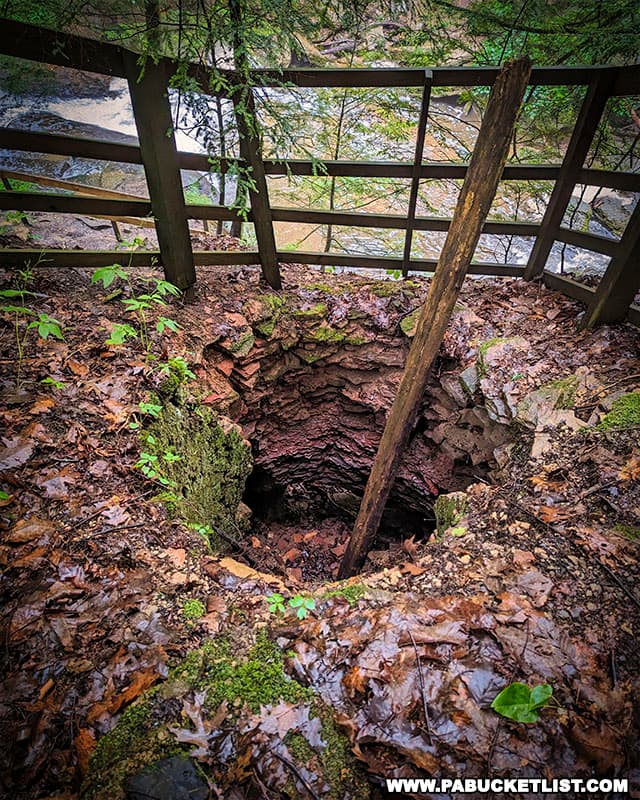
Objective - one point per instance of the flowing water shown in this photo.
(375, 127)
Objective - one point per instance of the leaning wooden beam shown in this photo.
(152, 113)
(620, 283)
(473, 205)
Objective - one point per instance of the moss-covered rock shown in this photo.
(449, 510)
(205, 460)
(625, 413)
(243, 680)
(139, 738)
(240, 677)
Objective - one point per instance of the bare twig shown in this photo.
(296, 772)
(425, 707)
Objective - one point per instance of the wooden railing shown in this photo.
(157, 152)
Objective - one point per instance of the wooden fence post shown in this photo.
(620, 283)
(586, 125)
(152, 113)
(474, 202)
(415, 172)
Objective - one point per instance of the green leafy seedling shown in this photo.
(164, 323)
(120, 333)
(107, 275)
(52, 382)
(152, 409)
(520, 703)
(47, 326)
(276, 603)
(302, 605)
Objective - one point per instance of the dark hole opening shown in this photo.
(282, 510)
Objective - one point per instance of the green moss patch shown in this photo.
(138, 739)
(253, 679)
(351, 593)
(625, 413)
(206, 462)
(630, 532)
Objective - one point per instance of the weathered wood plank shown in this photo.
(415, 170)
(152, 113)
(61, 49)
(586, 125)
(70, 204)
(620, 283)
(423, 265)
(250, 143)
(91, 259)
(589, 241)
(473, 205)
(57, 183)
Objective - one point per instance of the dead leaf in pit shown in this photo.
(483, 685)
(42, 405)
(26, 530)
(291, 555)
(199, 737)
(140, 681)
(283, 718)
(551, 514)
(452, 632)
(408, 568)
(177, 556)
(355, 681)
(78, 368)
(536, 585)
(339, 550)
(410, 547)
(116, 515)
(17, 451)
(56, 486)
(598, 745)
(244, 572)
(631, 470)
(523, 558)
(85, 744)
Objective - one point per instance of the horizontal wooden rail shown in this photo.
(73, 204)
(355, 219)
(588, 241)
(92, 206)
(80, 147)
(79, 52)
(582, 293)
(13, 257)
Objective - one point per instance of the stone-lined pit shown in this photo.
(310, 377)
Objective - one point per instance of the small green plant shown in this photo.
(53, 383)
(302, 605)
(193, 610)
(520, 703)
(4, 496)
(139, 305)
(276, 604)
(152, 409)
(45, 325)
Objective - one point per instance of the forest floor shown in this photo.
(116, 611)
